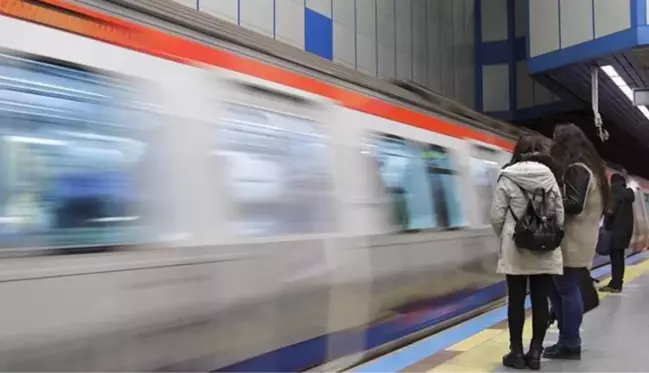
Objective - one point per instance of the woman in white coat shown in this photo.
(529, 170)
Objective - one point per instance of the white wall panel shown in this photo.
(404, 39)
(366, 54)
(257, 15)
(611, 16)
(190, 3)
(387, 62)
(344, 40)
(434, 55)
(576, 22)
(366, 18)
(544, 26)
(463, 84)
(344, 12)
(495, 87)
(386, 31)
(224, 9)
(289, 22)
(494, 20)
(419, 41)
(524, 87)
(366, 46)
(520, 18)
(447, 47)
(321, 6)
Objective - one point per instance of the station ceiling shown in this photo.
(628, 128)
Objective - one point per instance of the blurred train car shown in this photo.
(178, 204)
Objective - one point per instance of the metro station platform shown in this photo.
(611, 334)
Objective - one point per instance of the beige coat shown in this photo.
(582, 230)
(530, 176)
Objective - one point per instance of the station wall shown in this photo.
(505, 87)
(560, 24)
(431, 42)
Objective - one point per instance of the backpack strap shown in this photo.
(527, 197)
(509, 206)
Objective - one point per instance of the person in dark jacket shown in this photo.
(619, 221)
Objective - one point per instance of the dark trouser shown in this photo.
(540, 286)
(568, 307)
(617, 268)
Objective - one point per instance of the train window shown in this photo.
(278, 173)
(441, 172)
(484, 172)
(68, 148)
(419, 179)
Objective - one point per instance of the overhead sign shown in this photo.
(641, 96)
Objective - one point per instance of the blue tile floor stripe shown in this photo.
(409, 355)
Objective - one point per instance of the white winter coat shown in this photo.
(529, 175)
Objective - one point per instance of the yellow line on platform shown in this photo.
(483, 351)
(475, 340)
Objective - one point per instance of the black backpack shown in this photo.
(536, 231)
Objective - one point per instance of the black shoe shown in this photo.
(514, 359)
(562, 353)
(610, 289)
(533, 358)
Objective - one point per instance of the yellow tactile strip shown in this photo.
(483, 351)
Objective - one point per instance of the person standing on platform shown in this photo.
(586, 193)
(619, 221)
(520, 182)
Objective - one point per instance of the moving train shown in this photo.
(168, 205)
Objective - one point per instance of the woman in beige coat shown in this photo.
(529, 170)
(585, 196)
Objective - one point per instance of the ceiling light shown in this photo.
(621, 84)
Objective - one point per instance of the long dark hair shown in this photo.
(529, 144)
(572, 146)
(534, 148)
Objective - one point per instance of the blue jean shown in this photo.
(568, 307)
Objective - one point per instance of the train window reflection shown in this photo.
(68, 147)
(278, 172)
(484, 173)
(441, 171)
(420, 181)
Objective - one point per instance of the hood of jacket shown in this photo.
(531, 173)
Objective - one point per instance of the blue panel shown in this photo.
(606, 45)
(638, 12)
(494, 52)
(642, 35)
(519, 49)
(318, 34)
